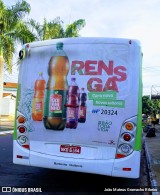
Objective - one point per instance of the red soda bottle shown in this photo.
(82, 107)
(38, 99)
(72, 105)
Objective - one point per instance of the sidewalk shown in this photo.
(152, 150)
(6, 123)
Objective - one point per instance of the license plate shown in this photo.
(70, 149)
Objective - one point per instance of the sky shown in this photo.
(133, 19)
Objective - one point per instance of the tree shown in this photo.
(73, 29)
(13, 30)
(150, 106)
(147, 105)
(54, 29)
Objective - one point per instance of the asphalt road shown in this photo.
(20, 176)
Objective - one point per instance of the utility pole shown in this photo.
(155, 93)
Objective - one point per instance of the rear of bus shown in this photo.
(109, 141)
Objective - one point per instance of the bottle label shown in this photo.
(39, 106)
(55, 101)
(82, 112)
(71, 113)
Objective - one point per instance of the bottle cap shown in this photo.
(59, 46)
(73, 79)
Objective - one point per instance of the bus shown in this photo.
(79, 104)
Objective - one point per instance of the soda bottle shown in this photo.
(82, 107)
(38, 99)
(56, 90)
(72, 105)
(73, 88)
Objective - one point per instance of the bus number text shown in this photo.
(109, 112)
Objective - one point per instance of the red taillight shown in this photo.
(21, 129)
(127, 137)
(120, 155)
(126, 169)
(26, 146)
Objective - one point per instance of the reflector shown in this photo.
(126, 169)
(26, 146)
(19, 156)
(120, 155)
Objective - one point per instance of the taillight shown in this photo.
(22, 139)
(26, 146)
(21, 119)
(129, 126)
(125, 148)
(22, 131)
(120, 155)
(127, 138)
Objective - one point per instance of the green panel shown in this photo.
(110, 103)
(102, 95)
(138, 142)
(17, 101)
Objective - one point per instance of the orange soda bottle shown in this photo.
(56, 90)
(38, 99)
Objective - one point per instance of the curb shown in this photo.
(6, 132)
(150, 169)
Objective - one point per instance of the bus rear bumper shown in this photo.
(101, 167)
(128, 167)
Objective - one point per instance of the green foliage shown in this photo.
(13, 29)
(150, 106)
(54, 29)
(73, 29)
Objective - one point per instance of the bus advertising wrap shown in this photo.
(78, 97)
